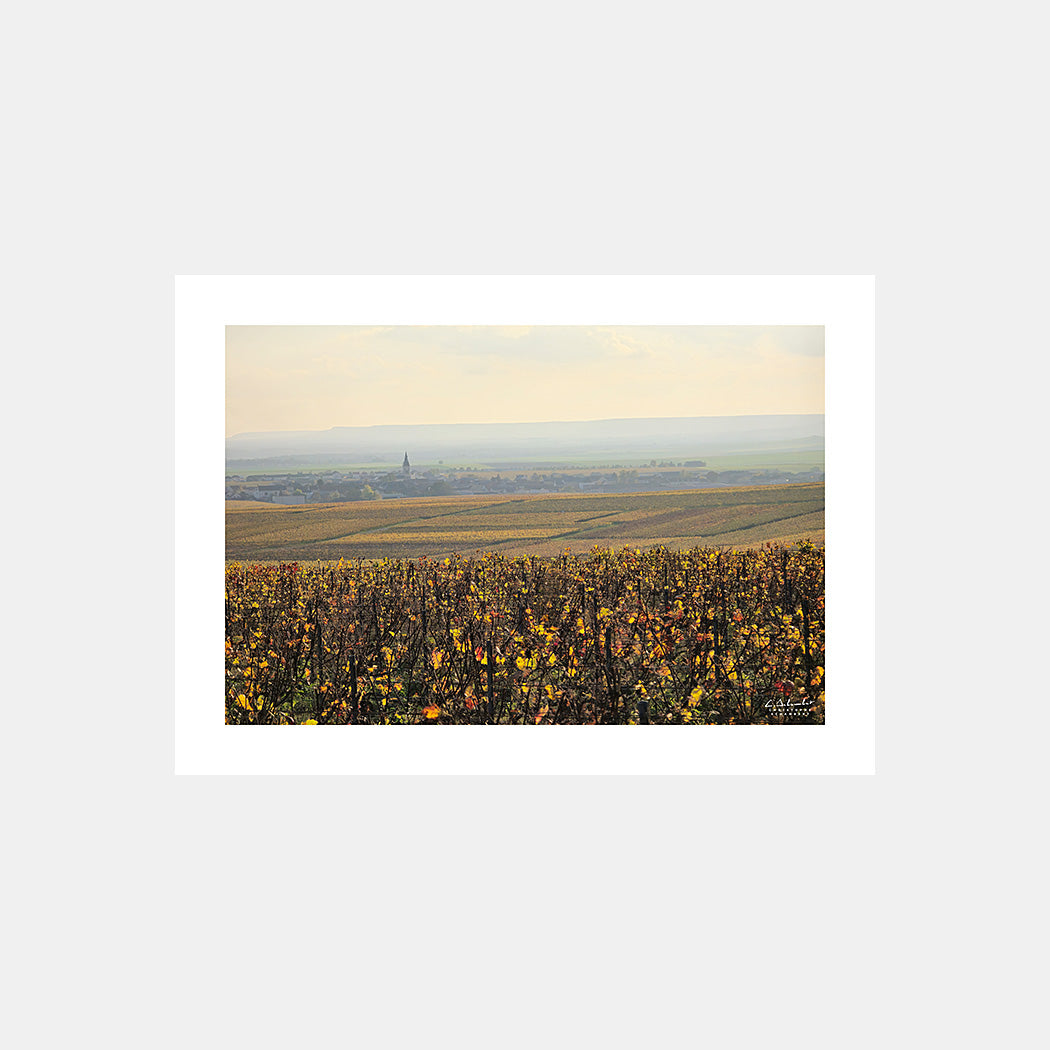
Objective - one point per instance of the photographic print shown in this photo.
(524, 525)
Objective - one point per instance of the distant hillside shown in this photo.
(681, 437)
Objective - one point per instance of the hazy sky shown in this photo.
(315, 377)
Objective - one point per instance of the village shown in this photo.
(293, 488)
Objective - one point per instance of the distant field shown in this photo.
(793, 460)
(541, 525)
(773, 458)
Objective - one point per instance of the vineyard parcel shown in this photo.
(700, 636)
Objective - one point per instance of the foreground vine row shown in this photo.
(670, 637)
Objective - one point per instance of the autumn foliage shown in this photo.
(666, 637)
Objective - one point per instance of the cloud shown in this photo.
(804, 340)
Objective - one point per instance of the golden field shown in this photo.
(539, 525)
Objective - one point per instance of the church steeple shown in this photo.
(405, 467)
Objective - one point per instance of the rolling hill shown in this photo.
(541, 525)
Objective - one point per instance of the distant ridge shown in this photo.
(428, 441)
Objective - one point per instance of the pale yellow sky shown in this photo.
(316, 377)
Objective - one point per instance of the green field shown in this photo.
(794, 461)
(540, 525)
